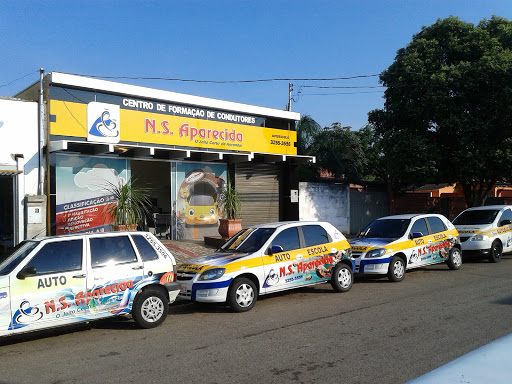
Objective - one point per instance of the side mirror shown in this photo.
(415, 235)
(275, 249)
(25, 272)
(505, 222)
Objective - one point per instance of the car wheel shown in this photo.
(396, 270)
(242, 295)
(454, 259)
(150, 308)
(496, 251)
(342, 277)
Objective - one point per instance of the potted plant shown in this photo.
(230, 206)
(132, 206)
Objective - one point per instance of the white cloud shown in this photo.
(98, 178)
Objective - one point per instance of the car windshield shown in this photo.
(16, 255)
(386, 228)
(476, 217)
(201, 200)
(248, 240)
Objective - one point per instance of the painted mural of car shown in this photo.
(393, 244)
(201, 210)
(268, 258)
(485, 231)
(66, 279)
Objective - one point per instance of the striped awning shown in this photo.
(9, 172)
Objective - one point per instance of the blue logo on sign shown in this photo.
(104, 126)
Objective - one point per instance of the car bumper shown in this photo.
(476, 247)
(207, 292)
(372, 266)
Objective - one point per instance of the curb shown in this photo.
(188, 253)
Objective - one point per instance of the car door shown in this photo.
(281, 266)
(46, 289)
(504, 230)
(418, 252)
(113, 272)
(440, 245)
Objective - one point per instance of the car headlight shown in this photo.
(212, 274)
(212, 211)
(479, 238)
(191, 212)
(376, 253)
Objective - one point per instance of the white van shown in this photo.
(485, 231)
(66, 279)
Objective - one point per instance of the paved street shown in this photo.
(378, 332)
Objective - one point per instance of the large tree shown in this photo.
(447, 115)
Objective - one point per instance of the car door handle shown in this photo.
(430, 241)
(79, 276)
(138, 267)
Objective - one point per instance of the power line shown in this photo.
(28, 74)
(345, 87)
(226, 81)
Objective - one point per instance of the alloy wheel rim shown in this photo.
(244, 295)
(152, 309)
(398, 269)
(344, 277)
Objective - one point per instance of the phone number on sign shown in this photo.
(278, 142)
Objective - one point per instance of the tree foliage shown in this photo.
(447, 115)
(343, 153)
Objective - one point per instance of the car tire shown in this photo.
(150, 308)
(396, 269)
(342, 277)
(454, 258)
(496, 252)
(242, 295)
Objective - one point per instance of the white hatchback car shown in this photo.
(66, 279)
(393, 244)
(268, 258)
(485, 231)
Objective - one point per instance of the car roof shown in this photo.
(71, 235)
(486, 207)
(278, 224)
(408, 216)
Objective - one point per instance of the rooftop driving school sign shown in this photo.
(121, 119)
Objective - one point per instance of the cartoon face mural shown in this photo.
(200, 192)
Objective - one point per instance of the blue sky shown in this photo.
(227, 41)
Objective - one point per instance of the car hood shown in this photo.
(473, 228)
(215, 260)
(362, 244)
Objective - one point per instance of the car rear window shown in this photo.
(314, 235)
(111, 250)
(436, 224)
(145, 249)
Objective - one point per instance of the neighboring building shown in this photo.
(185, 147)
(19, 165)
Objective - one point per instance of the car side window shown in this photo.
(111, 250)
(145, 249)
(58, 256)
(315, 235)
(436, 224)
(507, 215)
(288, 239)
(420, 225)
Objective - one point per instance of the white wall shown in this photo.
(325, 202)
(18, 134)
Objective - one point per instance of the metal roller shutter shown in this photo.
(258, 185)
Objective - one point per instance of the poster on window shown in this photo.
(198, 190)
(82, 197)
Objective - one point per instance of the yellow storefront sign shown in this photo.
(161, 129)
